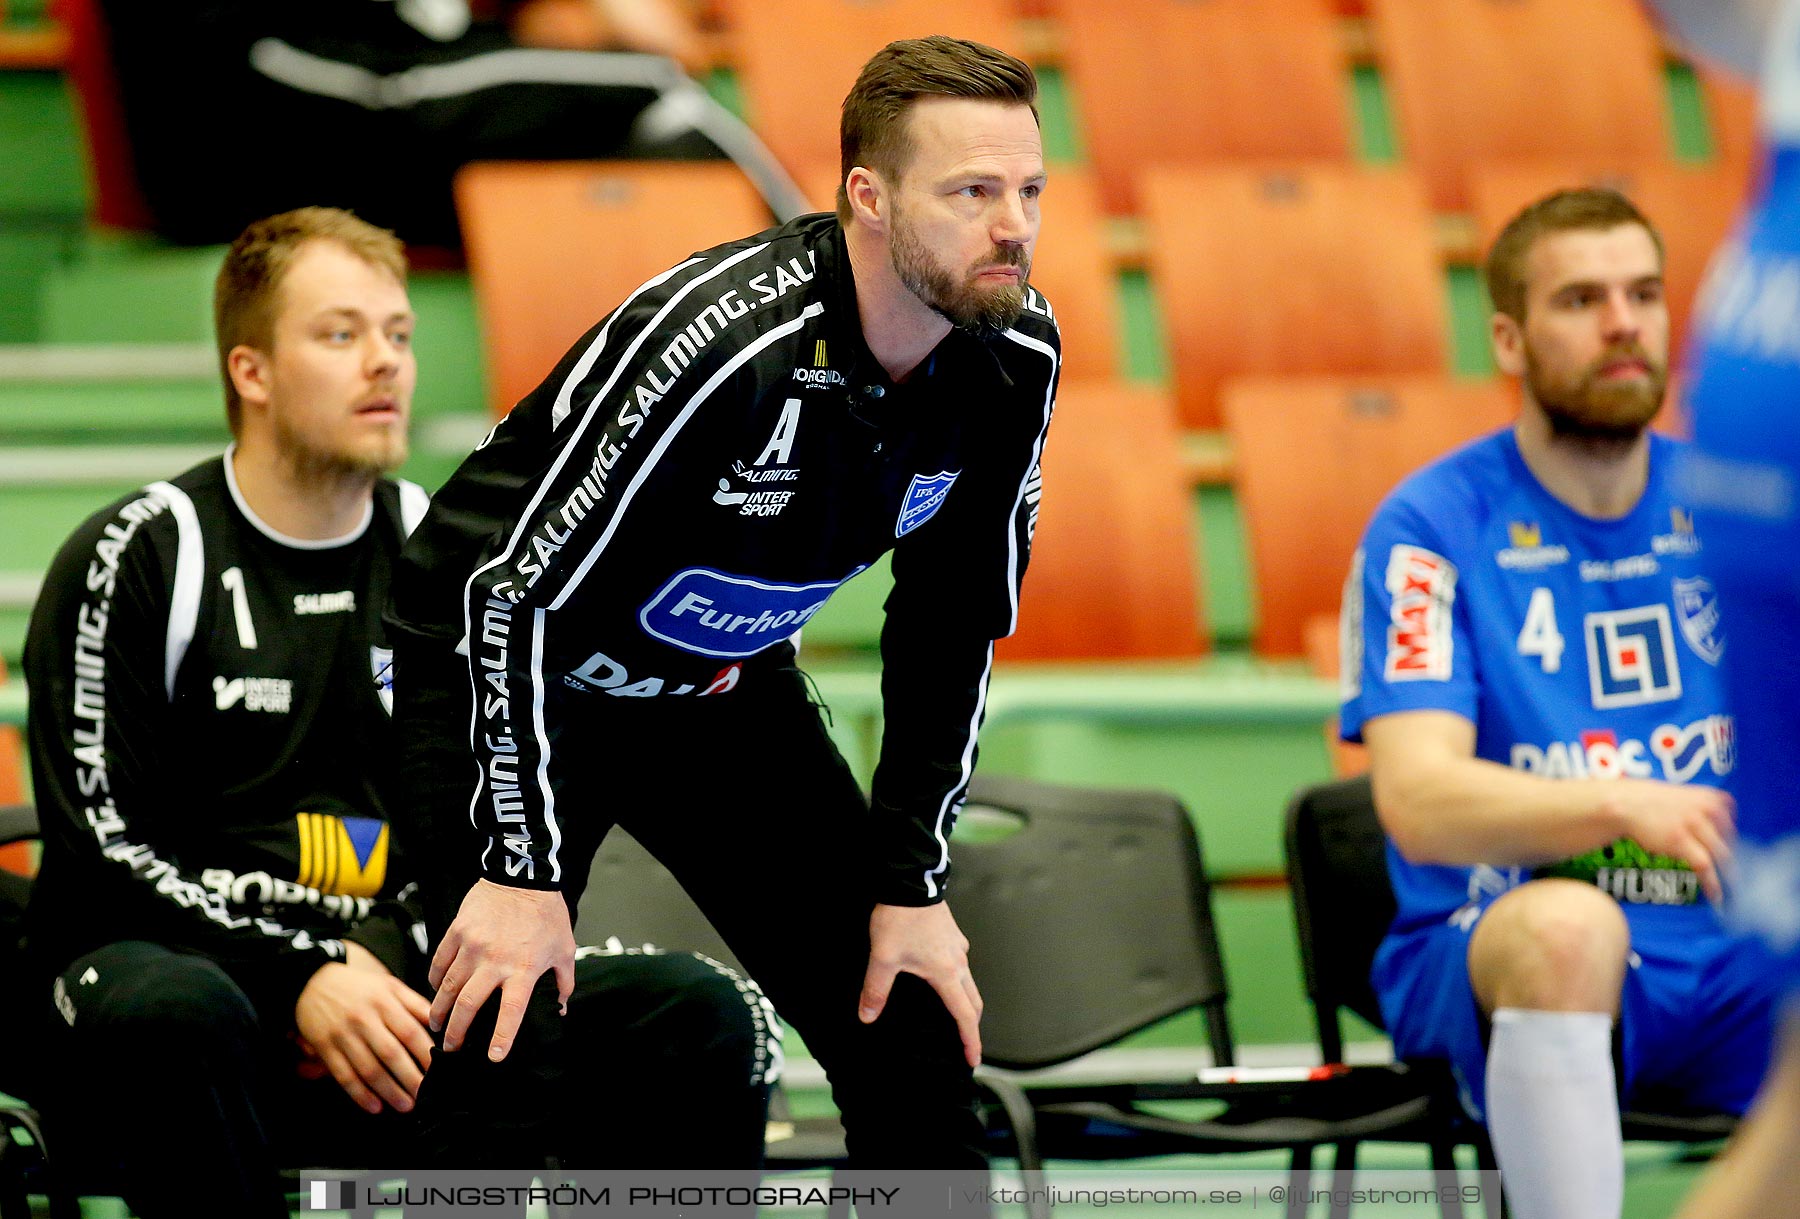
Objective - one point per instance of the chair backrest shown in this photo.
(1091, 921)
(1692, 206)
(1073, 264)
(554, 247)
(1343, 900)
(1112, 571)
(1173, 82)
(1301, 269)
(1473, 80)
(796, 60)
(1314, 456)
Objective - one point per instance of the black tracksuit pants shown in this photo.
(746, 800)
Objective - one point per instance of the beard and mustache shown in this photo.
(1587, 407)
(985, 313)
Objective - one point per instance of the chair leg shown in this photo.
(1343, 1179)
(1023, 1119)
(1300, 1167)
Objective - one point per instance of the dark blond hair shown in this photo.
(1589, 208)
(872, 131)
(246, 295)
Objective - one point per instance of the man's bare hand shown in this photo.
(1691, 823)
(367, 1029)
(503, 939)
(926, 941)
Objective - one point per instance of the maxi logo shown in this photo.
(1423, 587)
(717, 614)
(924, 496)
(1631, 657)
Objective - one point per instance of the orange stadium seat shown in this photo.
(1477, 80)
(1692, 206)
(1314, 456)
(1112, 566)
(1172, 82)
(796, 60)
(553, 247)
(1303, 269)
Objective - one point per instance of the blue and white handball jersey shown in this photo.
(1578, 648)
(1744, 478)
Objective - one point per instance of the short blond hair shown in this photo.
(246, 294)
(1590, 208)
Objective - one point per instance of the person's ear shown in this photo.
(870, 197)
(1507, 338)
(249, 370)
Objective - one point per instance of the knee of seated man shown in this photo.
(182, 1000)
(1551, 944)
(707, 1009)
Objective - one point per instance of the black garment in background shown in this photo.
(238, 109)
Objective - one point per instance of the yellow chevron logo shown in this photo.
(819, 360)
(1525, 536)
(342, 855)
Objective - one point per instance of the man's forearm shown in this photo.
(1469, 811)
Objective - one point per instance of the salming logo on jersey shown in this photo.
(325, 603)
(771, 465)
(342, 855)
(1423, 588)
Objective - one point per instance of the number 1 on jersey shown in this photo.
(1540, 638)
(233, 579)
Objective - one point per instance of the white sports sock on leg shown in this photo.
(1553, 1114)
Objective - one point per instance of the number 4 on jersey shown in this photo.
(1540, 638)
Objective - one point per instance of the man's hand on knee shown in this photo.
(367, 1029)
(502, 939)
(923, 940)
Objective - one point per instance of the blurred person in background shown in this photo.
(236, 109)
(1744, 393)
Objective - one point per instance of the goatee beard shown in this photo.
(986, 315)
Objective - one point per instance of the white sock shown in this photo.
(1553, 1114)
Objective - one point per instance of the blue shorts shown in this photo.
(1697, 1016)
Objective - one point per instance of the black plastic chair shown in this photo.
(1092, 920)
(1343, 904)
(25, 1164)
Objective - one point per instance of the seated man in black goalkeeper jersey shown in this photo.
(598, 618)
(223, 918)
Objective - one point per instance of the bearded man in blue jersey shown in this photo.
(1534, 668)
